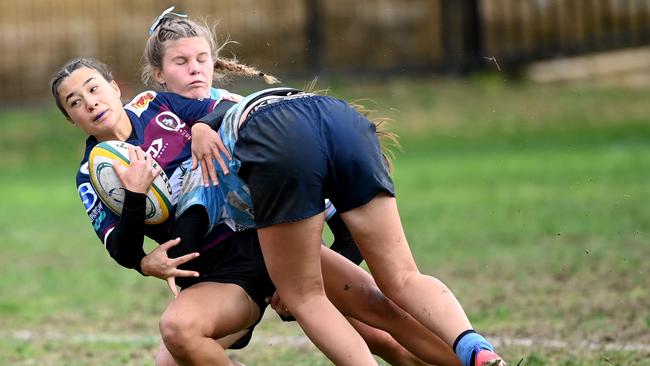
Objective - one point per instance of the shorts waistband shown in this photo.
(271, 99)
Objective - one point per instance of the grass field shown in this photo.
(530, 202)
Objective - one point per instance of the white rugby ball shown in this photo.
(111, 191)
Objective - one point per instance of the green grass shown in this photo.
(529, 201)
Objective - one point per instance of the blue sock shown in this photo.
(468, 344)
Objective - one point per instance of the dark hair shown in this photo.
(71, 66)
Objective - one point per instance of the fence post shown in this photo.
(462, 36)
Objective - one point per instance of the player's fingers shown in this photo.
(117, 166)
(223, 149)
(120, 170)
(156, 170)
(195, 161)
(275, 300)
(132, 154)
(283, 311)
(170, 243)
(171, 282)
(220, 161)
(212, 171)
(185, 258)
(186, 273)
(280, 308)
(139, 152)
(204, 173)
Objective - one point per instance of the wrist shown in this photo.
(143, 268)
(200, 125)
(138, 265)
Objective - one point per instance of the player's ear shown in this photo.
(116, 88)
(158, 75)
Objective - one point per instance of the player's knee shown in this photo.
(177, 331)
(395, 284)
(308, 290)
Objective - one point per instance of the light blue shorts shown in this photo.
(229, 202)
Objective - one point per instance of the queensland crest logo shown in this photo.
(169, 121)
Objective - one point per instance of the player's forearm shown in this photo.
(215, 118)
(125, 243)
(191, 227)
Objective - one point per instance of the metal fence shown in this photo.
(291, 37)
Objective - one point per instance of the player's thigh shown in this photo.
(292, 256)
(214, 309)
(230, 339)
(377, 229)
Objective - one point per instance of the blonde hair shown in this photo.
(172, 28)
(389, 140)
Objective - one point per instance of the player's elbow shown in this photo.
(122, 257)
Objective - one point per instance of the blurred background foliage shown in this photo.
(522, 178)
(309, 38)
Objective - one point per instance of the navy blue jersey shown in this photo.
(162, 128)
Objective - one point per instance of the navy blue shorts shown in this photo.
(297, 152)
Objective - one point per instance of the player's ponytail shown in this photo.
(224, 67)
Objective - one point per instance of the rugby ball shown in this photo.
(111, 191)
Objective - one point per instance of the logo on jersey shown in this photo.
(140, 103)
(97, 221)
(156, 147)
(88, 196)
(84, 168)
(169, 121)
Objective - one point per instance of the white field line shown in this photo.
(298, 340)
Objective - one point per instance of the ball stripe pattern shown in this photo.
(110, 190)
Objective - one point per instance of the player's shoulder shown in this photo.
(83, 172)
(141, 102)
(223, 94)
(87, 192)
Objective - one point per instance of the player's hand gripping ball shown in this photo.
(111, 191)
